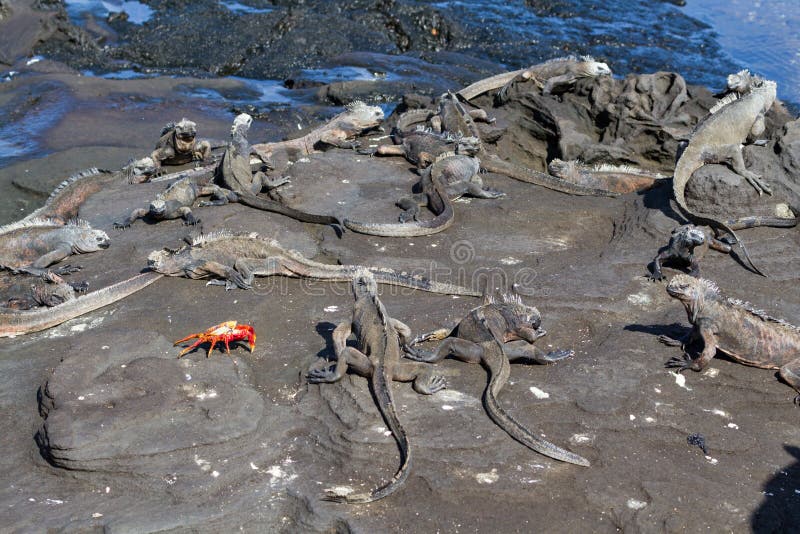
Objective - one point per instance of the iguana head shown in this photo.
(158, 208)
(161, 261)
(690, 235)
(241, 125)
(364, 284)
(592, 68)
(692, 292)
(185, 132)
(468, 146)
(87, 239)
(362, 116)
(519, 317)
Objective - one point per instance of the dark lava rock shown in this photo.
(134, 409)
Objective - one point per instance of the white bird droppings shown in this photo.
(680, 380)
(538, 393)
(487, 478)
(634, 504)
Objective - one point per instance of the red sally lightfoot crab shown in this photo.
(223, 332)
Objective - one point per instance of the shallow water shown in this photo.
(138, 13)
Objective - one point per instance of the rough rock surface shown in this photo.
(219, 444)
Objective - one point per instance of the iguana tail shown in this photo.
(276, 207)
(488, 84)
(492, 163)
(499, 371)
(756, 221)
(689, 161)
(18, 322)
(441, 222)
(344, 273)
(381, 387)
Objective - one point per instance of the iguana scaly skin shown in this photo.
(688, 244)
(494, 334)
(65, 201)
(452, 117)
(719, 138)
(233, 260)
(178, 146)
(377, 356)
(559, 73)
(736, 328)
(614, 178)
(176, 202)
(32, 246)
(421, 146)
(235, 173)
(450, 177)
(18, 322)
(338, 132)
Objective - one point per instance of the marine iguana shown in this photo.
(32, 246)
(176, 202)
(555, 74)
(234, 259)
(736, 328)
(451, 176)
(338, 132)
(421, 146)
(494, 334)
(718, 138)
(54, 291)
(456, 120)
(377, 357)
(235, 173)
(683, 243)
(18, 322)
(66, 199)
(614, 178)
(178, 146)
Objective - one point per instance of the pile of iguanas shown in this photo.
(450, 152)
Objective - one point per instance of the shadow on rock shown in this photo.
(780, 509)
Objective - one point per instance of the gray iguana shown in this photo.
(339, 132)
(451, 176)
(688, 243)
(455, 119)
(235, 173)
(494, 334)
(178, 145)
(718, 138)
(554, 75)
(18, 322)
(33, 246)
(614, 178)
(233, 260)
(176, 202)
(377, 357)
(736, 328)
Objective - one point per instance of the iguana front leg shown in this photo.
(425, 381)
(732, 155)
(188, 217)
(522, 350)
(790, 373)
(219, 196)
(346, 358)
(206, 268)
(477, 190)
(133, 217)
(461, 349)
(705, 331)
(46, 260)
(410, 206)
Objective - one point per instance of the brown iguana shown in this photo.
(376, 356)
(736, 328)
(451, 176)
(18, 322)
(614, 178)
(718, 138)
(421, 146)
(32, 246)
(235, 173)
(456, 120)
(66, 199)
(683, 244)
(54, 291)
(494, 334)
(176, 202)
(234, 259)
(339, 131)
(178, 146)
(555, 74)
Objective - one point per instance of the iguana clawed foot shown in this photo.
(555, 355)
(430, 384)
(66, 269)
(757, 182)
(235, 280)
(420, 355)
(681, 363)
(326, 375)
(669, 341)
(121, 225)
